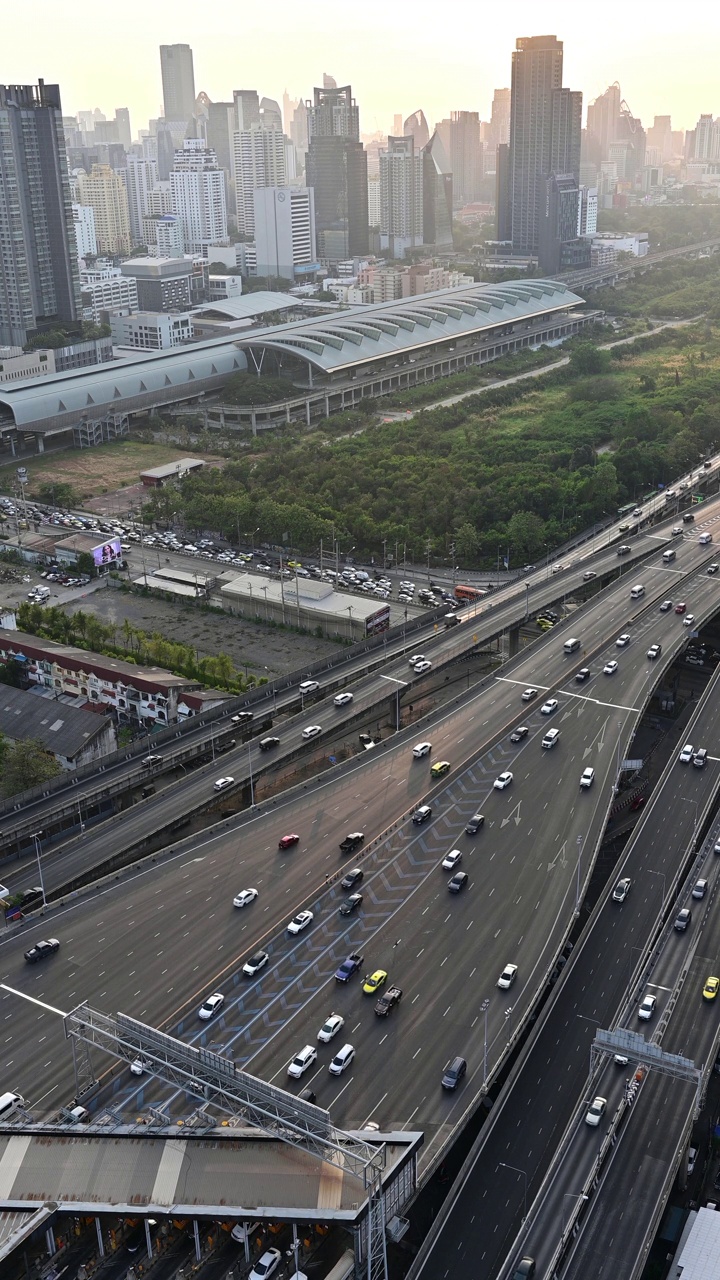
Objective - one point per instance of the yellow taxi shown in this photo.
(375, 982)
(711, 988)
(439, 768)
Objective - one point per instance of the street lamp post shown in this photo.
(662, 877)
(515, 1169)
(252, 787)
(37, 836)
(572, 1196)
(695, 828)
(580, 842)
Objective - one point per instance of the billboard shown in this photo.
(107, 553)
(379, 621)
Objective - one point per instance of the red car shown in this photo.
(680, 608)
(637, 803)
(287, 842)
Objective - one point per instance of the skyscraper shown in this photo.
(545, 132)
(500, 117)
(416, 127)
(602, 117)
(122, 119)
(141, 178)
(39, 281)
(104, 190)
(178, 81)
(259, 160)
(198, 195)
(401, 196)
(437, 195)
(337, 170)
(284, 230)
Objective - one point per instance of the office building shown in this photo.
(706, 139)
(460, 136)
(161, 284)
(284, 230)
(437, 195)
(151, 330)
(169, 235)
(336, 168)
(660, 135)
(39, 285)
(246, 104)
(602, 116)
(416, 127)
(219, 130)
(122, 120)
(587, 211)
(500, 118)
(198, 195)
(401, 196)
(84, 224)
(106, 289)
(559, 246)
(105, 191)
(178, 81)
(142, 176)
(544, 142)
(259, 160)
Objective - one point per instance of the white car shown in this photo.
(267, 1265)
(548, 707)
(255, 963)
(503, 781)
(610, 668)
(687, 753)
(138, 1066)
(507, 977)
(622, 641)
(422, 749)
(342, 1060)
(308, 686)
(451, 859)
(222, 783)
(330, 1028)
(647, 1008)
(302, 1061)
(528, 694)
(689, 620)
(417, 657)
(300, 922)
(421, 667)
(587, 777)
(211, 1007)
(245, 897)
(596, 1111)
(312, 731)
(342, 699)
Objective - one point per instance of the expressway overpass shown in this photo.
(160, 939)
(154, 944)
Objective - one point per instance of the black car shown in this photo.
(582, 675)
(352, 878)
(267, 744)
(423, 814)
(351, 904)
(474, 824)
(457, 882)
(42, 950)
(518, 734)
(688, 518)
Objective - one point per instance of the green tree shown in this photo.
(55, 493)
(467, 543)
(26, 764)
(587, 361)
(526, 533)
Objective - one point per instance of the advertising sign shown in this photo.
(107, 553)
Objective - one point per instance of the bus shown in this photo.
(469, 593)
(625, 511)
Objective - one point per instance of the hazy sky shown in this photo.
(397, 56)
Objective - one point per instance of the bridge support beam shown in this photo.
(513, 641)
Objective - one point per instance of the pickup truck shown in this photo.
(387, 1001)
(352, 842)
(348, 967)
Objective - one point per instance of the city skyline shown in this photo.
(661, 69)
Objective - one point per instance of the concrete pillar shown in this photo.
(327, 405)
(307, 411)
(513, 641)
(40, 444)
(253, 422)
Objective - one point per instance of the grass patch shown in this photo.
(91, 472)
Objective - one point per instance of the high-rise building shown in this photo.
(122, 120)
(416, 127)
(460, 137)
(602, 117)
(545, 135)
(560, 247)
(105, 191)
(219, 132)
(437, 195)
(500, 117)
(270, 114)
(299, 133)
(178, 81)
(284, 230)
(84, 223)
(706, 139)
(247, 109)
(659, 135)
(141, 178)
(401, 196)
(39, 281)
(336, 168)
(198, 195)
(259, 160)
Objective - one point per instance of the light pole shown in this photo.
(252, 788)
(662, 877)
(503, 1165)
(350, 609)
(37, 837)
(572, 1195)
(484, 1010)
(384, 547)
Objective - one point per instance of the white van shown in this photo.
(10, 1100)
(668, 556)
(637, 592)
(571, 645)
(704, 539)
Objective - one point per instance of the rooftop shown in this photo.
(247, 306)
(63, 730)
(74, 659)
(308, 592)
